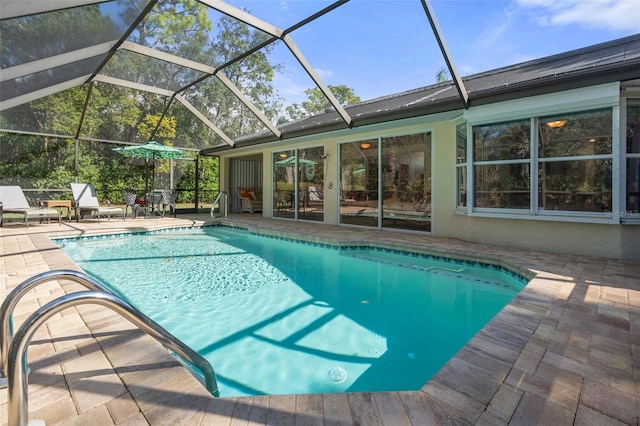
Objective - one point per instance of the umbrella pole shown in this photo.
(146, 178)
(153, 185)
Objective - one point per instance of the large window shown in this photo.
(544, 165)
(633, 159)
(501, 165)
(575, 162)
(461, 165)
(298, 182)
(359, 183)
(386, 182)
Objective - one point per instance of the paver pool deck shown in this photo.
(565, 351)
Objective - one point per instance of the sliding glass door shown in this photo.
(359, 183)
(386, 182)
(406, 182)
(298, 182)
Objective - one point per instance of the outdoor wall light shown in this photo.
(365, 145)
(556, 124)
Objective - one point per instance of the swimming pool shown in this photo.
(274, 316)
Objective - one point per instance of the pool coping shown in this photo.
(566, 345)
(465, 259)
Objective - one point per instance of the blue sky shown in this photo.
(381, 47)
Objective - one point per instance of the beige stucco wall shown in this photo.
(600, 240)
(591, 239)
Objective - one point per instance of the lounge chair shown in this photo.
(86, 201)
(316, 198)
(13, 200)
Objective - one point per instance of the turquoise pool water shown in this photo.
(274, 316)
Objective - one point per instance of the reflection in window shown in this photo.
(284, 184)
(502, 186)
(633, 158)
(502, 141)
(298, 184)
(567, 135)
(311, 183)
(570, 184)
(502, 168)
(402, 170)
(576, 185)
(406, 182)
(573, 166)
(359, 183)
(461, 164)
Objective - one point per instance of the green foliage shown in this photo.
(114, 113)
(443, 76)
(317, 102)
(42, 34)
(166, 129)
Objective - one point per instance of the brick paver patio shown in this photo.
(565, 351)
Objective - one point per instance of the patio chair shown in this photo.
(315, 197)
(169, 199)
(282, 200)
(13, 200)
(249, 201)
(130, 200)
(86, 201)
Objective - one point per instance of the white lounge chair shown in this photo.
(13, 200)
(86, 201)
(315, 197)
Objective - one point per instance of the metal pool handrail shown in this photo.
(17, 395)
(12, 299)
(226, 203)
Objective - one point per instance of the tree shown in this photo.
(115, 113)
(317, 102)
(443, 76)
(253, 76)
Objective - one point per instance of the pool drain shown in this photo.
(337, 375)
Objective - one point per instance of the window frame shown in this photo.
(505, 162)
(293, 151)
(626, 216)
(534, 211)
(378, 138)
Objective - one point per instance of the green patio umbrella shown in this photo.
(291, 161)
(307, 167)
(151, 150)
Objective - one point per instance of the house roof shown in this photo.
(617, 60)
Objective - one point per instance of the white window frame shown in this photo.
(295, 149)
(379, 136)
(473, 163)
(626, 217)
(461, 209)
(570, 101)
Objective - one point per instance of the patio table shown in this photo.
(61, 204)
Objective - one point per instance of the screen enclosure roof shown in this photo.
(211, 75)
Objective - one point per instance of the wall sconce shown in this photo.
(365, 145)
(283, 155)
(556, 124)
